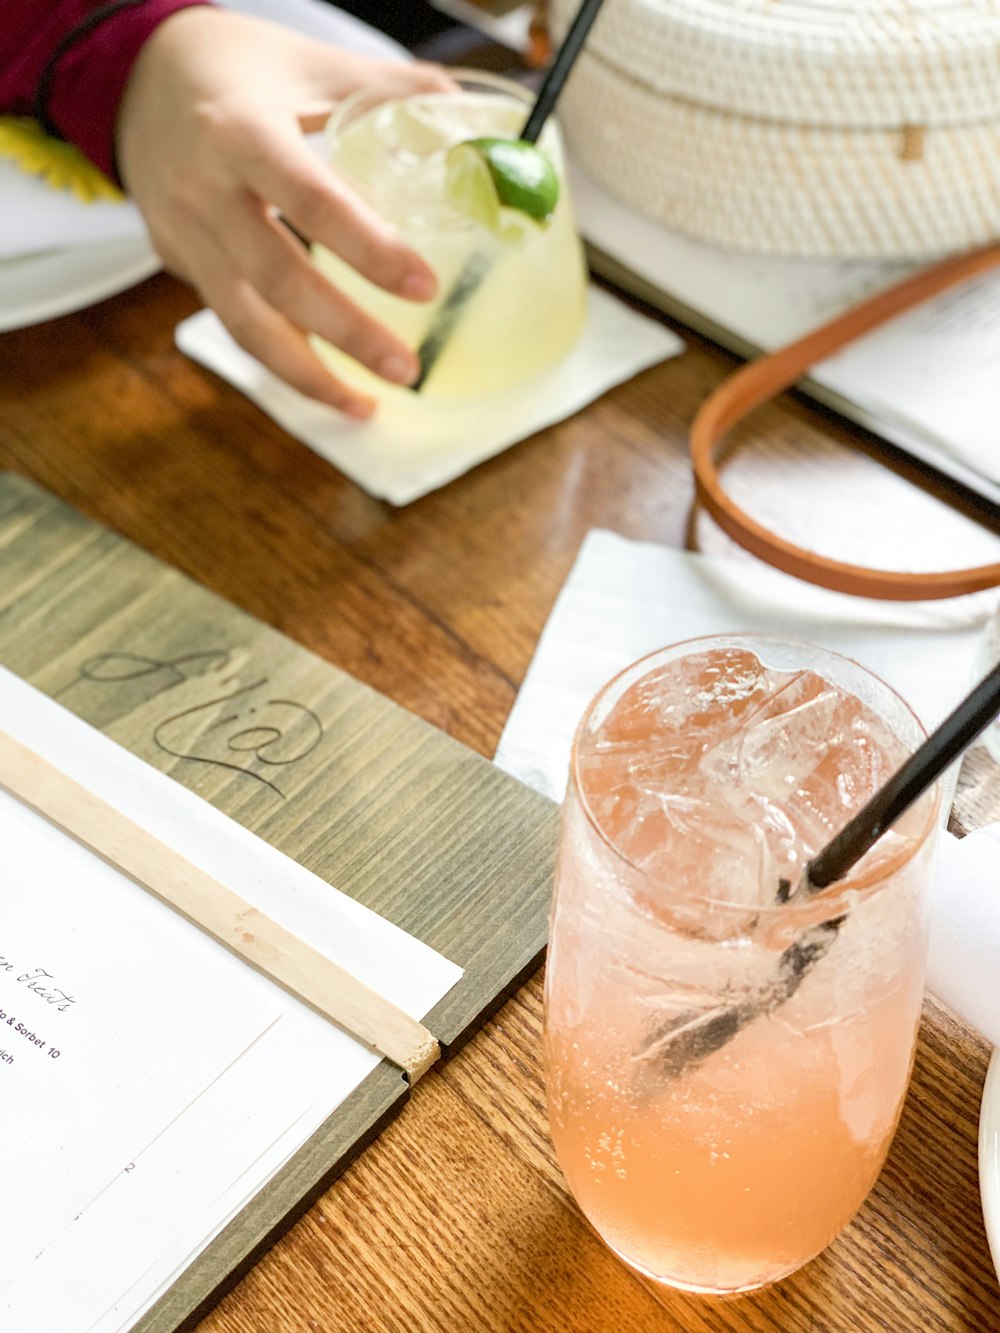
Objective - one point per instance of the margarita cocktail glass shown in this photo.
(528, 303)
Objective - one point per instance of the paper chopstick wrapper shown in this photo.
(235, 923)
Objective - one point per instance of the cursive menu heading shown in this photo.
(40, 983)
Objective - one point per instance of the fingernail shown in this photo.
(418, 287)
(398, 369)
(358, 411)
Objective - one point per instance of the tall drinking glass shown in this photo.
(725, 1067)
(527, 309)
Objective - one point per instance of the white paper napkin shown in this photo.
(624, 599)
(413, 445)
(963, 968)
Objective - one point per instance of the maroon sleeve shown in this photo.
(88, 79)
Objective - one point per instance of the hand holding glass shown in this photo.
(528, 307)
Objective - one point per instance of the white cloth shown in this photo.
(413, 445)
(624, 599)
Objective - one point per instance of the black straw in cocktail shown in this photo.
(692, 1037)
(923, 768)
(559, 70)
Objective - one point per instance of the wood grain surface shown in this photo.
(456, 1218)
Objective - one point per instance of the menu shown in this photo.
(150, 1082)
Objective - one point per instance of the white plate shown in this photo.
(989, 1156)
(57, 282)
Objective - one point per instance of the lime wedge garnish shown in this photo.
(524, 177)
(507, 185)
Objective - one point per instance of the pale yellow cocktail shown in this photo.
(528, 301)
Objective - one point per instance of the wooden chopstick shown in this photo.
(223, 914)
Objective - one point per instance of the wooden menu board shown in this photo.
(364, 794)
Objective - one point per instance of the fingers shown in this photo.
(404, 78)
(284, 349)
(208, 141)
(278, 167)
(264, 332)
(282, 272)
(385, 80)
(270, 296)
(334, 75)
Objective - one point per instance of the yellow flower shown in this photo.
(59, 164)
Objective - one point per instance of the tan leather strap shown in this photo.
(769, 376)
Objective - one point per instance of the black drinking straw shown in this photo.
(691, 1037)
(478, 264)
(559, 70)
(923, 768)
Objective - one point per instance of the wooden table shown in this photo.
(457, 1218)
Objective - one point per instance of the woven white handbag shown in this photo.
(802, 127)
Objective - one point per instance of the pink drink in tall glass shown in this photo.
(701, 778)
